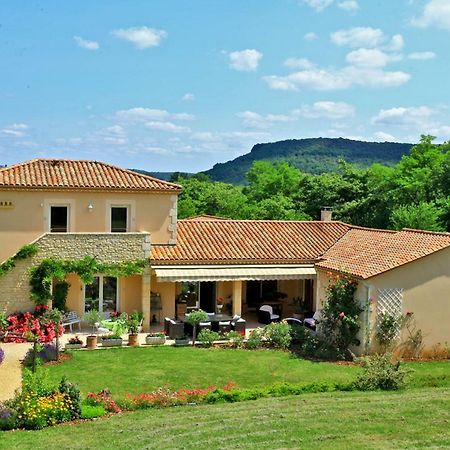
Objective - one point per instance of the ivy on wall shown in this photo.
(42, 275)
(25, 252)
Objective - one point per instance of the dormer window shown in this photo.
(119, 219)
(59, 219)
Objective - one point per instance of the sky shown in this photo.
(176, 85)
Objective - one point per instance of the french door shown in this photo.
(101, 295)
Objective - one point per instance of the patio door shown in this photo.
(101, 295)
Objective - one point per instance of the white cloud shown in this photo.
(358, 37)
(326, 109)
(435, 13)
(255, 120)
(348, 5)
(396, 44)
(318, 5)
(167, 126)
(369, 57)
(15, 130)
(245, 60)
(422, 56)
(141, 37)
(381, 136)
(298, 63)
(188, 97)
(84, 43)
(404, 116)
(140, 114)
(311, 36)
(335, 79)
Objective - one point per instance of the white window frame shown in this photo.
(131, 208)
(69, 203)
(100, 293)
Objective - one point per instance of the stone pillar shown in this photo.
(145, 298)
(237, 297)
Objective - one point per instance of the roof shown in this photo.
(366, 252)
(248, 241)
(78, 174)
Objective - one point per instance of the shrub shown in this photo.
(207, 337)
(194, 319)
(387, 331)
(45, 353)
(278, 334)
(59, 297)
(37, 383)
(103, 398)
(8, 417)
(73, 393)
(380, 373)
(254, 340)
(91, 412)
(235, 339)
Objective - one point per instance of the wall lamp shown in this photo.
(90, 207)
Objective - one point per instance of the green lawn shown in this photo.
(137, 370)
(356, 420)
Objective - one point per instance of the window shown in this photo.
(119, 219)
(101, 295)
(59, 219)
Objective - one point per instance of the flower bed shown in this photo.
(28, 324)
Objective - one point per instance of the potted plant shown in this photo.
(111, 340)
(158, 338)
(194, 319)
(219, 304)
(74, 343)
(92, 317)
(134, 324)
(182, 340)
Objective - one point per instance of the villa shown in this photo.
(72, 209)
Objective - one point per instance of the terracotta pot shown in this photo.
(91, 342)
(133, 340)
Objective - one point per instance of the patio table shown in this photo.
(213, 318)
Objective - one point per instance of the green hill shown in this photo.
(315, 155)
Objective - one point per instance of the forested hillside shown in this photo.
(413, 193)
(316, 155)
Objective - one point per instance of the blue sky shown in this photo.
(169, 85)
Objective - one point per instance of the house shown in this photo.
(73, 209)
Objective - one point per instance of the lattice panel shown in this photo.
(390, 301)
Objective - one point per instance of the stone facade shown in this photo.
(104, 247)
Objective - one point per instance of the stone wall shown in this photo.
(104, 247)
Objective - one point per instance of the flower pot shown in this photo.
(181, 342)
(73, 346)
(155, 340)
(133, 340)
(112, 342)
(91, 342)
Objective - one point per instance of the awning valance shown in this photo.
(230, 273)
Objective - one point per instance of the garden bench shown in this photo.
(70, 319)
(12, 336)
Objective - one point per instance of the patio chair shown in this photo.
(225, 326)
(311, 323)
(203, 326)
(239, 326)
(293, 322)
(174, 329)
(266, 315)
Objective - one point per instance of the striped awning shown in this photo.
(230, 273)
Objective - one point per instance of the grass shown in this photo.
(357, 420)
(138, 370)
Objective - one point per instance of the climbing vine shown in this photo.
(42, 275)
(25, 252)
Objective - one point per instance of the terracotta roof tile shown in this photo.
(366, 252)
(248, 241)
(63, 174)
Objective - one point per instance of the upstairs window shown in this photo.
(59, 219)
(119, 219)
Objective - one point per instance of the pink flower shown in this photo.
(341, 315)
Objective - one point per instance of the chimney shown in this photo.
(326, 214)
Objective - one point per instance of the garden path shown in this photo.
(10, 369)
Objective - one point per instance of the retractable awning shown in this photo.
(230, 273)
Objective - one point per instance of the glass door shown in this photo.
(101, 295)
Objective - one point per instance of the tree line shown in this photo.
(413, 193)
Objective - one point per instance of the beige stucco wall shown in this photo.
(105, 247)
(29, 218)
(426, 284)
(168, 292)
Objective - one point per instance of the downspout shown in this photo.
(368, 314)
